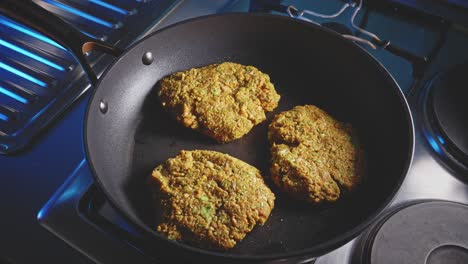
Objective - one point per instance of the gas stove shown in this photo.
(52, 208)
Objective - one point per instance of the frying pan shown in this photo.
(127, 134)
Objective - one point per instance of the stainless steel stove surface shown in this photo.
(41, 78)
(48, 185)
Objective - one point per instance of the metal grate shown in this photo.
(39, 78)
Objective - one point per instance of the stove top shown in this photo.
(78, 213)
(417, 232)
(41, 78)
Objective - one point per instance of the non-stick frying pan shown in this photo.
(127, 134)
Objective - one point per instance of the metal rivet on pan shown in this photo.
(147, 58)
(103, 106)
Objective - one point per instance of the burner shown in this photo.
(449, 95)
(446, 112)
(429, 232)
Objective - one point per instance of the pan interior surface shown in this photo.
(307, 65)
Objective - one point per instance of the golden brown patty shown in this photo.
(210, 198)
(224, 101)
(313, 155)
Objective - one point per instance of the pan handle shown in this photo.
(34, 16)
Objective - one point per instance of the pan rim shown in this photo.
(314, 251)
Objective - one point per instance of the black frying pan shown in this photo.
(127, 134)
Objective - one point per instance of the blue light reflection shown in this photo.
(110, 6)
(13, 95)
(3, 117)
(441, 139)
(31, 55)
(80, 13)
(29, 32)
(22, 74)
(67, 191)
(41, 214)
(434, 144)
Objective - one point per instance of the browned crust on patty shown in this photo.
(210, 199)
(224, 101)
(313, 155)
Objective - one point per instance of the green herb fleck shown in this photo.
(206, 212)
(216, 91)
